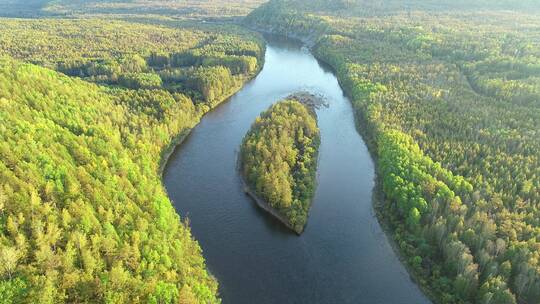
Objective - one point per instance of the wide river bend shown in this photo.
(343, 256)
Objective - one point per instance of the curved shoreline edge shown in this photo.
(266, 207)
(175, 142)
(378, 200)
(259, 202)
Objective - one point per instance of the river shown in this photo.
(343, 256)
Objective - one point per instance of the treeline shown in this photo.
(361, 8)
(449, 105)
(279, 159)
(204, 65)
(83, 213)
(185, 8)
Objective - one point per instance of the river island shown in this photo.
(278, 159)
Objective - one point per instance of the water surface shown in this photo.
(343, 256)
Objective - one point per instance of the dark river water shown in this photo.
(342, 257)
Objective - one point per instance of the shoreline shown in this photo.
(171, 147)
(266, 207)
(168, 150)
(177, 140)
(377, 201)
(377, 198)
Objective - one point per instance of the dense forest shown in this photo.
(446, 94)
(86, 108)
(187, 8)
(192, 9)
(449, 104)
(381, 8)
(279, 160)
(203, 65)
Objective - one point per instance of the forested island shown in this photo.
(278, 160)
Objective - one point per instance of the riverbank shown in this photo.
(179, 139)
(169, 149)
(378, 199)
(175, 142)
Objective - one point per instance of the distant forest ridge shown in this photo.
(224, 8)
(207, 8)
(369, 7)
(216, 8)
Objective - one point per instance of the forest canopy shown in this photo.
(83, 214)
(446, 92)
(188, 8)
(279, 160)
(358, 8)
(205, 65)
